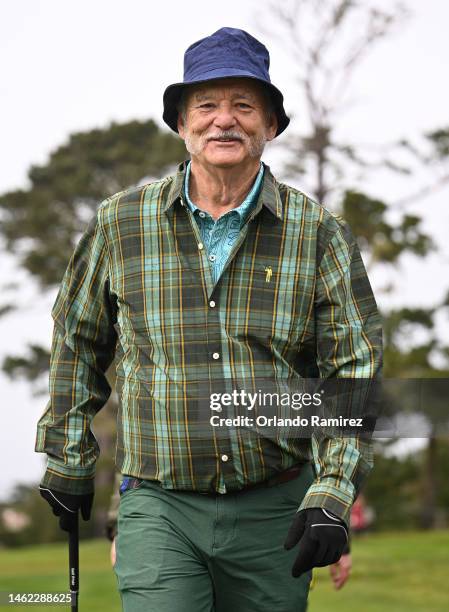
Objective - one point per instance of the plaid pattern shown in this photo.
(139, 287)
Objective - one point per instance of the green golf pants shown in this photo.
(181, 551)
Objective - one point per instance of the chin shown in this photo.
(225, 161)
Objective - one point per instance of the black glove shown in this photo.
(66, 506)
(322, 539)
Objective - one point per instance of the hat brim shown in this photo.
(173, 93)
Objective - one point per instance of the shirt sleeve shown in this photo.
(348, 345)
(82, 349)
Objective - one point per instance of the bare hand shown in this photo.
(340, 571)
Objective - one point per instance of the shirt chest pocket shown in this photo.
(264, 306)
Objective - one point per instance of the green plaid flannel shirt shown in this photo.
(139, 288)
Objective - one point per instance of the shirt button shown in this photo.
(202, 215)
(212, 257)
(216, 356)
(212, 304)
(200, 246)
(224, 457)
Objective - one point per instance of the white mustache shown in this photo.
(196, 144)
(225, 135)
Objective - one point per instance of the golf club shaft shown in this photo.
(74, 565)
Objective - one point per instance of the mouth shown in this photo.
(226, 140)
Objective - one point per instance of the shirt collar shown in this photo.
(268, 195)
(244, 208)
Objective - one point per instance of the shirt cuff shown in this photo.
(68, 480)
(329, 497)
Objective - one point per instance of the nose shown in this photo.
(224, 117)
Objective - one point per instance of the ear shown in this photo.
(272, 126)
(181, 130)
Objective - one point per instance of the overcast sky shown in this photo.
(70, 66)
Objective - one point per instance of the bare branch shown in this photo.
(423, 192)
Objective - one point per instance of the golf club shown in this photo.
(74, 564)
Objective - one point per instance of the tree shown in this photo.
(42, 224)
(327, 40)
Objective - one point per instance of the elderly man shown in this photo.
(196, 283)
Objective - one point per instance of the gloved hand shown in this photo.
(322, 538)
(66, 506)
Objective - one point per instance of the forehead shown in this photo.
(226, 88)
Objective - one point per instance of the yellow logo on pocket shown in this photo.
(269, 273)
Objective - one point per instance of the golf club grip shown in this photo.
(74, 565)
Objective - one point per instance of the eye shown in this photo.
(206, 105)
(243, 105)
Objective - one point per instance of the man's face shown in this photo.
(226, 122)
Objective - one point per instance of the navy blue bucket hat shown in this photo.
(228, 52)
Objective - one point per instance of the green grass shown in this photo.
(394, 572)
(45, 569)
